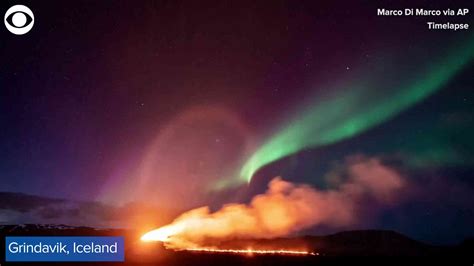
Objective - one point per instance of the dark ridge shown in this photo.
(364, 246)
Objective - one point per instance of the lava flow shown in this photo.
(285, 208)
(254, 251)
(167, 235)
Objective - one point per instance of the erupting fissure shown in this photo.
(255, 251)
(285, 208)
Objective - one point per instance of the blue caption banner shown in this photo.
(64, 248)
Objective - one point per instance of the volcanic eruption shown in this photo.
(284, 209)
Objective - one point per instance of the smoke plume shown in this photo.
(286, 208)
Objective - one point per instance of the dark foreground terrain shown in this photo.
(346, 248)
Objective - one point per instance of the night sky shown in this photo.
(165, 102)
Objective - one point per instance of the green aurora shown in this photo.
(357, 107)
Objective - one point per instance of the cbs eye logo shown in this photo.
(19, 19)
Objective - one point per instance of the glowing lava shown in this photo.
(285, 208)
(165, 233)
(255, 251)
(168, 233)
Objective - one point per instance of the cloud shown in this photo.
(24, 208)
(20, 208)
(24, 202)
